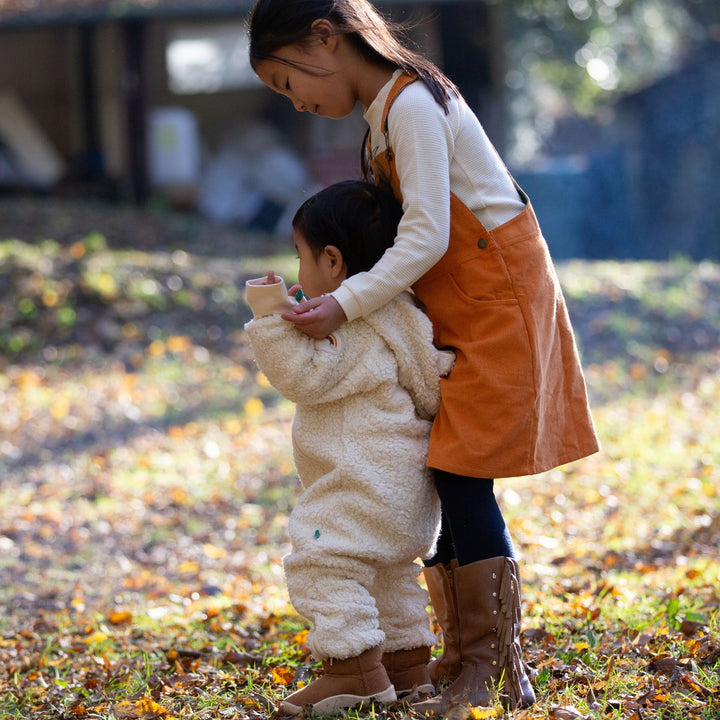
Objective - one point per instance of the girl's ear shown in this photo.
(325, 32)
(334, 259)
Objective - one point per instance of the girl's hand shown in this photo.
(270, 279)
(317, 317)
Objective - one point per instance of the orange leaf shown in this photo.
(120, 617)
(283, 675)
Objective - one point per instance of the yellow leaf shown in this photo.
(254, 407)
(179, 344)
(262, 380)
(60, 408)
(96, 637)
(480, 713)
(29, 379)
(145, 708)
(233, 426)
(106, 285)
(179, 496)
(192, 428)
(212, 551)
(156, 348)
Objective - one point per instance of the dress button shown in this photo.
(482, 243)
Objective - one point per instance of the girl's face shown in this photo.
(318, 78)
(320, 275)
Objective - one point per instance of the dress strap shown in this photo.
(400, 84)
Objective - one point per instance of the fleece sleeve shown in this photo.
(408, 332)
(267, 299)
(303, 370)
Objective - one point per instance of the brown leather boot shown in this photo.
(488, 597)
(345, 683)
(408, 672)
(441, 587)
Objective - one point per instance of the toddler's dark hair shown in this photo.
(357, 217)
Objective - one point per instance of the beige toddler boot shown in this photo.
(408, 672)
(346, 683)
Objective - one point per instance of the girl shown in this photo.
(470, 247)
(364, 402)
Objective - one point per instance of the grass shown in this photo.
(141, 540)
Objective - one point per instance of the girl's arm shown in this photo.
(421, 136)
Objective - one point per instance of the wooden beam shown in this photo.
(134, 88)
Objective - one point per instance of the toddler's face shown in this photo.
(320, 275)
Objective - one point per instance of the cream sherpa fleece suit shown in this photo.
(365, 397)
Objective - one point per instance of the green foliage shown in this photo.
(141, 542)
(579, 56)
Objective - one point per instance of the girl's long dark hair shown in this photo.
(277, 23)
(357, 217)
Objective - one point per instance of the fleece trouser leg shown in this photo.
(335, 597)
(402, 607)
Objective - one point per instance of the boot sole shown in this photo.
(339, 702)
(415, 694)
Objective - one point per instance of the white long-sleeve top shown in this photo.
(435, 154)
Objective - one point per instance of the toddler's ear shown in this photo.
(335, 259)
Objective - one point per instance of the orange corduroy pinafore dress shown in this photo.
(515, 402)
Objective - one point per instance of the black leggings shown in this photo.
(472, 526)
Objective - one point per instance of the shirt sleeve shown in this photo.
(422, 139)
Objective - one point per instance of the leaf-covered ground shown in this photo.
(146, 478)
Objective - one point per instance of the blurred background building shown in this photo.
(607, 112)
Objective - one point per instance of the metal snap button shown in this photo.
(482, 243)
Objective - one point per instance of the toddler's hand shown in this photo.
(317, 317)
